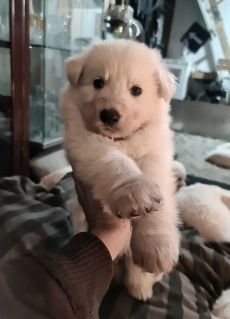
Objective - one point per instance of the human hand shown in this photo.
(112, 231)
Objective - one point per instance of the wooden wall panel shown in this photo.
(19, 37)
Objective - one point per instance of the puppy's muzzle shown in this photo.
(109, 116)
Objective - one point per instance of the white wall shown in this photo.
(186, 13)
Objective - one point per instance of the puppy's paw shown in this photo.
(140, 291)
(136, 197)
(142, 288)
(138, 283)
(156, 253)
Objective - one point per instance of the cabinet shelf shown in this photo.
(57, 32)
(4, 44)
(53, 48)
(47, 144)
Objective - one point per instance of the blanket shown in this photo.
(33, 217)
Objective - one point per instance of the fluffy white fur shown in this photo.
(129, 165)
(221, 308)
(180, 174)
(207, 208)
(220, 156)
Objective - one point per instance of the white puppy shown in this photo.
(207, 208)
(117, 139)
(221, 308)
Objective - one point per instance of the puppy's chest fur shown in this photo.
(136, 146)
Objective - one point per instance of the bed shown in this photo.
(33, 217)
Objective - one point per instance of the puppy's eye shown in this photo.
(136, 91)
(98, 84)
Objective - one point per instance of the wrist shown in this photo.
(115, 238)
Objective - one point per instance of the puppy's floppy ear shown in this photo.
(166, 83)
(74, 67)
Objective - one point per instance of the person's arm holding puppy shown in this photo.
(71, 282)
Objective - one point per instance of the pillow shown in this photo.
(50, 180)
(48, 162)
(220, 156)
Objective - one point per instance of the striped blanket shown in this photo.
(32, 217)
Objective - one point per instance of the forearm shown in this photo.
(58, 285)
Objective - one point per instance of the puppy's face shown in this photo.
(117, 86)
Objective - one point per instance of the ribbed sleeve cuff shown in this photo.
(83, 269)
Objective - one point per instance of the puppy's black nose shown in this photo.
(110, 116)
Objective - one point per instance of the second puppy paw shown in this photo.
(156, 253)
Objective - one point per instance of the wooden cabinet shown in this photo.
(14, 85)
(36, 37)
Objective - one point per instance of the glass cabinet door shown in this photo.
(58, 30)
(5, 91)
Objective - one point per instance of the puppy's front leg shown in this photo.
(155, 238)
(155, 243)
(114, 177)
(138, 282)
